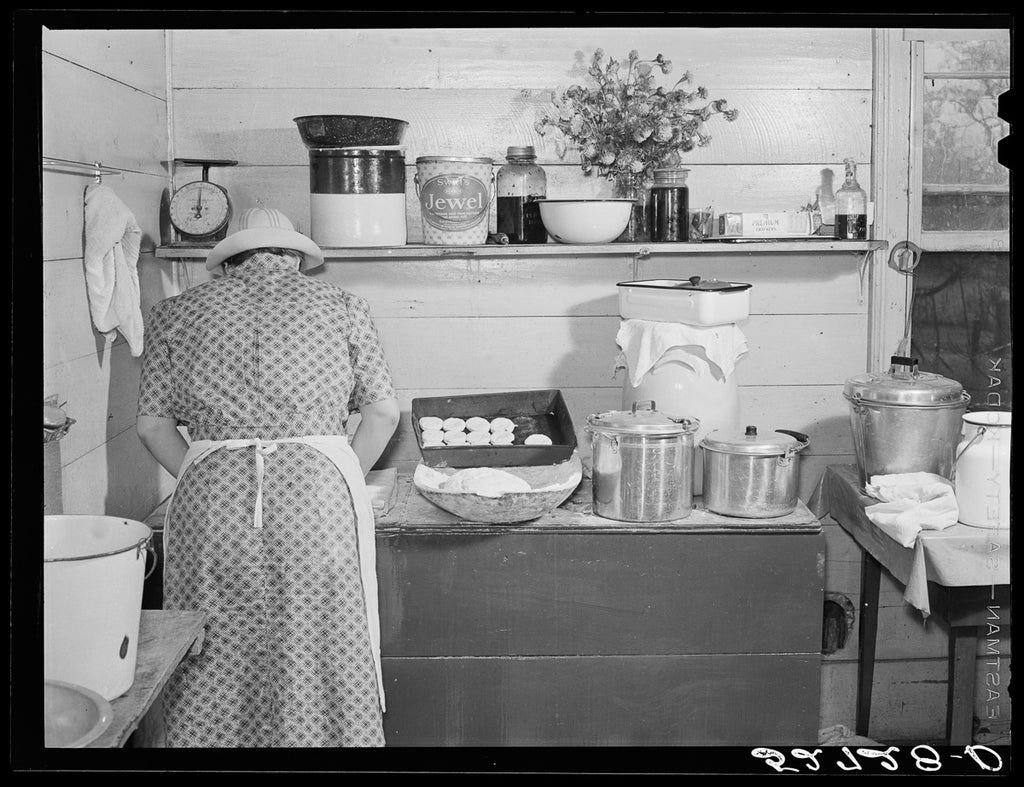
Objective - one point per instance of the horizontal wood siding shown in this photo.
(103, 99)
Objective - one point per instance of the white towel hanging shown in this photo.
(112, 242)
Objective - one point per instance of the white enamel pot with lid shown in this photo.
(752, 475)
(642, 464)
(905, 420)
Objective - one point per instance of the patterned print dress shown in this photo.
(267, 352)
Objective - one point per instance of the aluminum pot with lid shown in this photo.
(750, 475)
(642, 464)
(905, 420)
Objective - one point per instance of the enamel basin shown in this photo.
(74, 715)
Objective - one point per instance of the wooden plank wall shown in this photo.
(104, 99)
(461, 325)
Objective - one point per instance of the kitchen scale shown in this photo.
(200, 210)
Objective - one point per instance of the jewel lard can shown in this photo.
(455, 196)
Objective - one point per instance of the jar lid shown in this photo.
(520, 152)
(904, 385)
(749, 441)
(674, 176)
(643, 420)
(460, 159)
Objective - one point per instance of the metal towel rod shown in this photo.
(96, 169)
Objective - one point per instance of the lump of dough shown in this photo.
(501, 424)
(430, 423)
(454, 437)
(486, 482)
(476, 424)
(537, 439)
(429, 477)
(433, 436)
(453, 425)
(478, 438)
(502, 438)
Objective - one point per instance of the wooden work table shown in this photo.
(165, 638)
(578, 630)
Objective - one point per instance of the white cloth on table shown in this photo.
(911, 502)
(644, 342)
(112, 242)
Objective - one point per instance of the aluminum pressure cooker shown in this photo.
(904, 420)
(642, 464)
(752, 475)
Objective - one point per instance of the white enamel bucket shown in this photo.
(982, 470)
(93, 572)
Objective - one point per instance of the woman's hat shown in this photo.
(260, 228)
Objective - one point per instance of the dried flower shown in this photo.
(628, 127)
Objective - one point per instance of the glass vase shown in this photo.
(639, 227)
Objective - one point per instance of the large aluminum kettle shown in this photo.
(905, 420)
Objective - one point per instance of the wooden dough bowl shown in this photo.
(512, 506)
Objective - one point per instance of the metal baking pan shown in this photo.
(533, 412)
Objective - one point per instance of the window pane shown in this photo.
(967, 55)
(960, 164)
(952, 212)
(961, 323)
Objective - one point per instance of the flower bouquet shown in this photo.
(626, 127)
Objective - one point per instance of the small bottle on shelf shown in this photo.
(519, 183)
(851, 207)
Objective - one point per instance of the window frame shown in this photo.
(931, 240)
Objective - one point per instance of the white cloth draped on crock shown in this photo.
(340, 453)
(112, 242)
(644, 342)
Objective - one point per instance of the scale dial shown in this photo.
(200, 210)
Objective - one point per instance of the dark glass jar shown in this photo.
(670, 205)
(518, 185)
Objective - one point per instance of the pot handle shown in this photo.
(145, 544)
(800, 436)
(650, 402)
(977, 436)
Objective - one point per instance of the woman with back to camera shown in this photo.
(270, 528)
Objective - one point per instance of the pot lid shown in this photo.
(643, 420)
(749, 440)
(693, 283)
(903, 384)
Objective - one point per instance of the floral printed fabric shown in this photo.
(267, 352)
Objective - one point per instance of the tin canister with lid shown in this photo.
(752, 475)
(905, 420)
(642, 464)
(357, 196)
(455, 195)
(982, 473)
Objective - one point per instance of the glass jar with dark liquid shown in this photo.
(670, 205)
(851, 206)
(519, 184)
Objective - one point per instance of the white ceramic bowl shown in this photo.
(585, 220)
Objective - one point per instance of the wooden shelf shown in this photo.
(420, 251)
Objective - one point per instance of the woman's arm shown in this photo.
(164, 441)
(377, 423)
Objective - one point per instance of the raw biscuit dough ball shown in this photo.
(501, 438)
(454, 437)
(537, 439)
(433, 437)
(478, 437)
(501, 424)
(477, 424)
(453, 425)
(431, 423)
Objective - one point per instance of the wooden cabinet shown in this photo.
(574, 630)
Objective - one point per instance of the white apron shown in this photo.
(336, 449)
